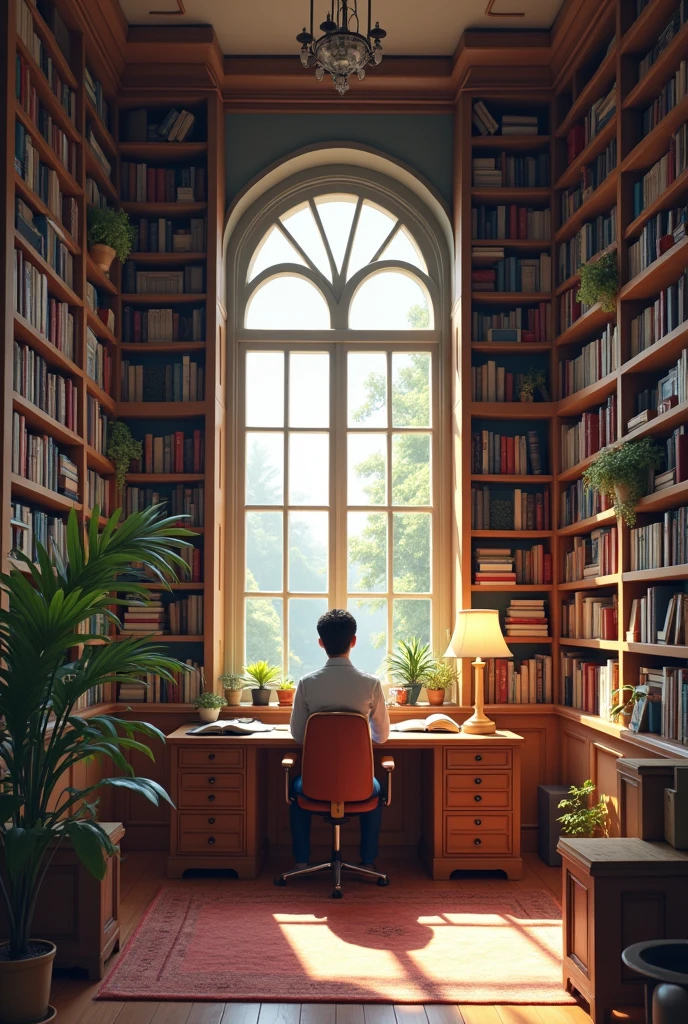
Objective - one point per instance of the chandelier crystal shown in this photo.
(342, 50)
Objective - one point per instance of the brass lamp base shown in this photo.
(479, 724)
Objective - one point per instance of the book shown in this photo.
(433, 723)
(232, 727)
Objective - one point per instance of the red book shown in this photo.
(539, 525)
(197, 460)
(151, 191)
(483, 275)
(523, 222)
(502, 681)
(138, 323)
(160, 190)
(575, 142)
(681, 458)
(513, 221)
(179, 451)
(508, 387)
(664, 244)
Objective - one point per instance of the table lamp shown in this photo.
(477, 634)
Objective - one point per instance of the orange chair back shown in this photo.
(337, 760)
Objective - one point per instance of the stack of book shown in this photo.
(526, 617)
(597, 359)
(659, 235)
(662, 174)
(593, 238)
(515, 275)
(516, 325)
(518, 455)
(594, 431)
(671, 95)
(174, 126)
(664, 315)
(172, 453)
(519, 511)
(483, 119)
(162, 282)
(494, 567)
(175, 382)
(486, 254)
(162, 325)
(145, 619)
(529, 682)
(492, 383)
(143, 184)
(661, 544)
(504, 222)
(593, 555)
(589, 685)
(579, 502)
(160, 235)
(184, 687)
(186, 616)
(487, 172)
(676, 461)
(68, 477)
(520, 124)
(181, 501)
(590, 617)
(508, 171)
(592, 176)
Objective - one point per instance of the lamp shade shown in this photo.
(477, 634)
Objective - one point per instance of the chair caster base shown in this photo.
(384, 881)
(279, 881)
(337, 894)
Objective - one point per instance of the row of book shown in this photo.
(492, 383)
(596, 429)
(164, 235)
(98, 492)
(176, 382)
(37, 458)
(592, 176)
(26, 31)
(663, 173)
(591, 239)
(508, 171)
(512, 221)
(590, 617)
(596, 360)
(660, 544)
(96, 425)
(675, 462)
(179, 500)
(172, 453)
(678, 19)
(140, 183)
(670, 390)
(671, 94)
(141, 325)
(51, 392)
(186, 615)
(517, 455)
(184, 687)
(47, 315)
(514, 274)
(98, 152)
(98, 361)
(94, 195)
(30, 526)
(594, 554)
(162, 282)
(142, 125)
(599, 115)
(529, 682)
(524, 324)
(44, 181)
(526, 617)
(508, 124)
(498, 567)
(660, 233)
(94, 91)
(519, 511)
(570, 309)
(47, 238)
(659, 617)
(667, 691)
(578, 502)
(589, 686)
(667, 312)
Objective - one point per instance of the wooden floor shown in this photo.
(142, 874)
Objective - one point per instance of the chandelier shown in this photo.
(342, 49)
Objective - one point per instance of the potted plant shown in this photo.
(208, 705)
(533, 380)
(110, 234)
(411, 665)
(285, 692)
(262, 674)
(122, 448)
(626, 699)
(43, 743)
(439, 681)
(582, 819)
(233, 685)
(621, 473)
(599, 282)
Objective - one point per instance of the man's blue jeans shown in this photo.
(300, 822)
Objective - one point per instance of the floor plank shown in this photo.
(243, 1013)
(206, 1013)
(379, 1013)
(443, 1014)
(564, 1015)
(410, 1014)
(277, 1013)
(347, 1013)
(318, 1013)
(519, 1014)
(479, 1014)
(137, 1013)
(172, 1013)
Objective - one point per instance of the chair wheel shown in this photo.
(280, 881)
(384, 881)
(337, 894)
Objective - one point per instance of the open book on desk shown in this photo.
(231, 727)
(433, 723)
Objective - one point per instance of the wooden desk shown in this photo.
(469, 799)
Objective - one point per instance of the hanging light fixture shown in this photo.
(342, 49)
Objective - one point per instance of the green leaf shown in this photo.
(9, 805)
(90, 845)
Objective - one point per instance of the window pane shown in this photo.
(390, 300)
(263, 630)
(265, 389)
(367, 389)
(367, 552)
(367, 469)
(305, 655)
(309, 389)
(309, 469)
(411, 618)
(402, 247)
(411, 469)
(308, 546)
(264, 469)
(301, 225)
(287, 303)
(411, 556)
(411, 389)
(263, 551)
(371, 646)
(337, 214)
(373, 227)
(274, 249)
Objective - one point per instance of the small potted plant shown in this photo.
(110, 234)
(533, 380)
(599, 282)
(411, 665)
(208, 705)
(122, 448)
(439, 681)
(626, 699)
(285, 692)
(262, 674)
(233, 685)
(621, 473)
(582, 819)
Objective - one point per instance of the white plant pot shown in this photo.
(209, 714)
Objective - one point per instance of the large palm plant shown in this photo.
(40, 736)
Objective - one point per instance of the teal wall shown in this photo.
(422, 141)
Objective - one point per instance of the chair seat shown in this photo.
(351, 807)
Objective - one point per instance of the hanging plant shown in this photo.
(122, 449)
(621, 474)
(599, 282)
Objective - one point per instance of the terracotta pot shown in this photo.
(435, 696)
(527, 397)
(399, 695)
(260, 698)
(285, 698)
(205, 715)
(625, 719)
(233, 697)
(102, 256)
(622, 493)
(25, 986)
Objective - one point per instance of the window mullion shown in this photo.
(390, 515)
(285, 522)
(338, 474)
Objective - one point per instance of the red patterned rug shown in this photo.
(224, 944)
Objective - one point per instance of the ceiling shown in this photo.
(413, 28)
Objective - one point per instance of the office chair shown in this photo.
(337, 773)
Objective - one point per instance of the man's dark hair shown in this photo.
(336, 629)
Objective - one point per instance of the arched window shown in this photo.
(337, 298)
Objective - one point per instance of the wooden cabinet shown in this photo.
(642, 782)
(617, 892)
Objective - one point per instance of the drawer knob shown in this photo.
(211, 797)
(477, 798)
(478, 757)
(211, 780)
(211, 757)
(478, 821)
(477, 842)
(477, 781)
(211, 840)
(211, 821)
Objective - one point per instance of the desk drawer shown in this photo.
(458, 794)
(474, 842)
(478, 781)
(212, 841)
(197, 790)
(211, 780)
(478, 758)
(211, 757)
(477, 822)
(210, 822)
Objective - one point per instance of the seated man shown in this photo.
(338, 686)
